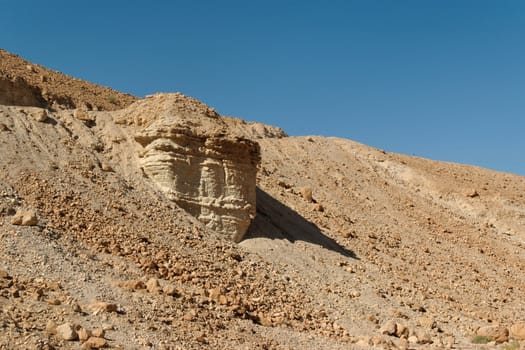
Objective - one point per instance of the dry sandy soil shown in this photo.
(352, 247)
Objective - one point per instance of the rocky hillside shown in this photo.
(26, 84)
(117, 230)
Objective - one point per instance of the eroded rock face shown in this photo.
(191, 156)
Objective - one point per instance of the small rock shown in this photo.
(106, 167)
(153, 285)
(76, 308)
(402, 344)
(517, 331)
(83, 115)
(94, 343)
(306, 192)
(413, 339)
(98, 332)
(133, 284)
(498, 333)
(101, 306)
(423, 337)
(67, 331)
(83, 334)
(3, 127)
(448, 342)
(51, 327)
(319, 207)
(170, 290)
(223, 300)
(41, 115)
(389, 328)
(108, 327)
(426, 322)
(54, 301)
(401, 331)
(214, 293)
(25, 217)
(201, 338)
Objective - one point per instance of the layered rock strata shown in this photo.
(191, 156)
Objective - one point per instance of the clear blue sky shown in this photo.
(442, 79)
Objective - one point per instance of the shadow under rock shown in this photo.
(275, 220)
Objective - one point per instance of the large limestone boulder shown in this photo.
(198, 161)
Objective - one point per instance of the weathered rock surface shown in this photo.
(191, 156)
(517, 331)
(25, 217)
(497, 333)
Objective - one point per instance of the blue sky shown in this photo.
(442, 79)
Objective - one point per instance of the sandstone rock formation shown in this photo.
(192, 156)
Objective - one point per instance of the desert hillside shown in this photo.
(156, 223)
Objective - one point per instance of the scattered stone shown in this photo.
(201, 338)
(41, 115)
(413, 339)
(497, 333)
(54, 301)
(170, 290)
(214, 294)
(132, 284)
(426, 322)
(94, 343)
(448, 342)
(306, 192)
(402, 331)
(517, 331)
(67, 331)
(402, 344)
(76, 308)
(153, 285)
(98, 332)
(102, 306)
(83, 334)
(25, 217)
(108, 327)
(389, 328)
(319, 207)
(83, 115)
(51, 327)
(106, 167)
(423, 337)
(4, 127)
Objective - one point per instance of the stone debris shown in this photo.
(41, 115)
(83, 334)
(306, 192)
(153, 285)
(517, 331)
(132, 284)
(388, 328)
(102, 306)
(497, 333)
(94, 343)
(106, 167)
(67, 331)
(25, 217)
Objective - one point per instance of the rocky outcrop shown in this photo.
(18, 92)
(193, 157)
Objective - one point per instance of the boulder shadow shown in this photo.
(275, 220)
